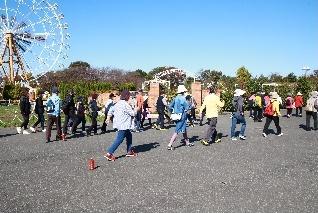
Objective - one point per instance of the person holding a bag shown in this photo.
(212, 104)
(179, 107)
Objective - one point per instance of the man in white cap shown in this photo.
(238, 115)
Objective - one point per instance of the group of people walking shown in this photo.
(127, 115)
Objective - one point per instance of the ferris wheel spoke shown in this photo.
(7, 19)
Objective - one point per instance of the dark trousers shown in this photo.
(300, 110)
(78, 120)
(202, 117)
(25, 122)
(138, 119)
(308, 117)
(143, 119)
(68, 117)
(269, 119)
(93, 125)
(193, 114)
(258, 113)
(40, 120)
(289, 111)
(161, 119)
(211, 130)
(50, 122)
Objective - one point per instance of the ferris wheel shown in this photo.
(33, 38)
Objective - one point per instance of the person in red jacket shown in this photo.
(299, 102)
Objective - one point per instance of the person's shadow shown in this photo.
(143, 148)
(8, 135)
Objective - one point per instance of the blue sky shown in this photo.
(266, 36)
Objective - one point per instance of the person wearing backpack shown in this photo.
(289, 103)
(39, 110)
(69, 112)
(179, 106)
(258, 108)
(299, 102)
(79, 115)
(238, 115)
(311, 110)
(53, 109)
(212, 104)
(25, 109)
(272, 113)
(93, 113)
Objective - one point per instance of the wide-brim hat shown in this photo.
(239, 92)
(181, 89)
(274, 95)
(299, 93)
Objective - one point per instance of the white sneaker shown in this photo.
(32, 129)
(19, 130)
(242, 137)
(25, 132)
(264, 135)
(281, 134)
(234, 139)
(44, 130)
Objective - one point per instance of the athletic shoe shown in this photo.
(234, 139)
(25, 132)
(19, 130)
(170, 148)
(43, 130)
(264, 135)
(131, 153)
(189, 144)
(218, 140)
(48, 140)
(162, 129)
(242, 137)
(154, 126)
(32, 129)
(63, 137)
(205, 143)
(110, 157)
(281, 134)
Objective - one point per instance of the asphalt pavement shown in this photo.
(273, 174)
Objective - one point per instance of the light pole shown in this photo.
(306, 69)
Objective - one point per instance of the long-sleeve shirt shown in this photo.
(123, 114)
(212, 104)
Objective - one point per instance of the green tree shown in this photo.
(210, 76)
(243, 76)
(291, 77)
(79, 64)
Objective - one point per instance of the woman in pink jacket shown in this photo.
(289, 103)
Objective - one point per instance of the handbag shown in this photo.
(176, 116)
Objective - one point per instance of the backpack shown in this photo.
(50, 107)
(288, 102)
(269, 110)
(312, 104)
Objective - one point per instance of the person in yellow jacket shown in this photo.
(212, 105)
(258, 110)
(273, 115)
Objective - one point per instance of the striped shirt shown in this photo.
(123, 115)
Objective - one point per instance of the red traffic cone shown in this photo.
(91, 164)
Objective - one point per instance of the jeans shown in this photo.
(308, 117)
(26, 119)
(121, 134)
(138, 120)
(211, 130)
(238, 118)
(40, 120)
(269, 119)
